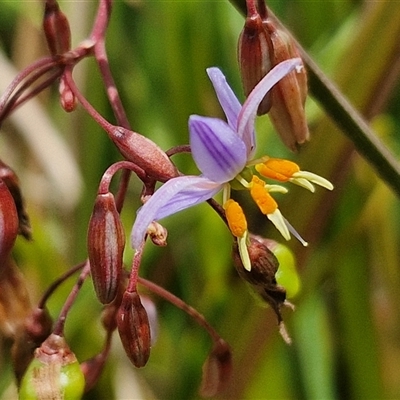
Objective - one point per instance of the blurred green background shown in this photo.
(346, 327)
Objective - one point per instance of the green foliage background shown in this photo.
(346, 328)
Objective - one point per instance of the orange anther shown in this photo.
(279, 169)
(261, 196)
(236, 218)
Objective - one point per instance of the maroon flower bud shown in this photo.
(254, 53)
(134, 329)
(217, 370)
(11, 180)
(56, 28)
(8, 223)
(144, 153)
(106, 242)
(289, 94)
(54, 373)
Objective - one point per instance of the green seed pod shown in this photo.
(53, 374)
(286, 275)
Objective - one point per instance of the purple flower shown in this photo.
(221, 150)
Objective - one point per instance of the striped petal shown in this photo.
(218, 151)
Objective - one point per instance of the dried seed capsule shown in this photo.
(144, 153)
(8, 223)
(106, 242)
(134, 329)
(54, 373)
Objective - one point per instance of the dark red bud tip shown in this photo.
(56, 29)
(144, 153)
(134, 329)
(217, 370)
(8, 223)
(106, 242)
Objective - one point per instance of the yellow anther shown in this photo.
(261, 196)
(279, 169)
(236, 218)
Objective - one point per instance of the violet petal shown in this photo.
(218, 151)
(175, 195)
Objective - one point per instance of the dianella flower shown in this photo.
(223, 152)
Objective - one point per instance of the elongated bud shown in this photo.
(287, 112)
(11, 180)
(106, 242)
(254, 53)
(8, 223)
(134, 329)
(217, 370)
(54, 373)
(144, 153)
(56, 28)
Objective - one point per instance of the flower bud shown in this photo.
(11, 180)
(56, 29)
(134, 329)
(254, 51)
(144, 153)
(287, 112)
(8, 223)
(54, 373)
(217, 370)
(68, 99)
(106, 242)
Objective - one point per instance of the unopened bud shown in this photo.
(106, 242)
(144, 153)
(68, 99)
(217, 370)
(134, 329)
(11, 180)
(254, 51)
(8, 223)
(54, 373)
(56, 28)
(287, 112)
